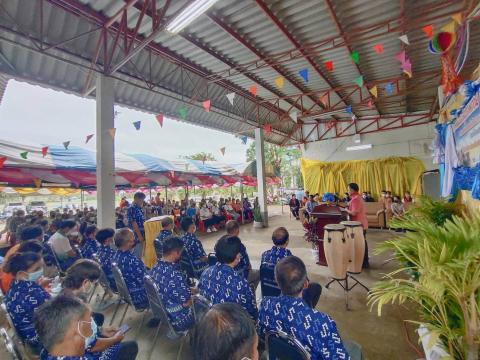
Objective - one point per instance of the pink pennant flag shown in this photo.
(206, 105)
(253, 90)
(428, 30)
(378, 48)
(406, 66)
(159, 118)
(370, 104)
(267, 128)
(222, 150)
(401, 56)
(2, 161)
(44, 151)
(89, 137)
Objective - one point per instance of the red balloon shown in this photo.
(445, 40)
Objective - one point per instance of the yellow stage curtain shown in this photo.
(395, 174)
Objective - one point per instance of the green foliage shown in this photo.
(437, 211)
(202, 156)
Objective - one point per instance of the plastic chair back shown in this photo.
(103, 279)
(200, 306)
(9, 345)
(52, 253)
(156, 303)
(212, 259)
(281, 346)
(158, 248)
(121, 285)
(268, 284)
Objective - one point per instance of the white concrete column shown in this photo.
(261, 180)
(105, 153)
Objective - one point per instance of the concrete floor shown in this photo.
(380, 337)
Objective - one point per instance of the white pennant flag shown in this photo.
(404, 39)
(294, 115)
(230, 97)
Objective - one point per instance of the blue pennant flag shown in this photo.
(348, 109)
(304, 74)
(137, 124)
(244, 139)
(389, 88)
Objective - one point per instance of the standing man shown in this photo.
(136, 219)
(356, 210)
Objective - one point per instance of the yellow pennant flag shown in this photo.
(112, 132)
(450, 27)
(279, 81)
(374, 91)
(457, 18)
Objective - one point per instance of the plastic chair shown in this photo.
(52, 253)
(187, 266)
(212, 259)
(22, 349)
(158, 248)
(268, 284)
(281, 346)
(200, 306)
(10, 345)
(159, 312)
(102, 281)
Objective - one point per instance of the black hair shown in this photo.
(81, 270)
(120, 237)
(139, 195)
(21, 262)
(227, 248)
(90, 229)
(172, 243)
(104, 234)
(186, 223)
(353, 186)
(225, 332)
(31, 232)
(30, 246)
(280, 236)
(232, 226)
(291, 273)
(43, 222)
(67, 224)
(166, 221)
(53, 318)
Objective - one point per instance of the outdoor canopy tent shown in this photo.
(26, 166)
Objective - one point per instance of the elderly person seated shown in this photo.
(231, 211)
(311, 203)
(398, 209)
(247, 209)
(61, 245)
(206, 217)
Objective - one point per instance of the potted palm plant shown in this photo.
(257, 217)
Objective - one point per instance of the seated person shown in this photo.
(66, 330)
(304, 201)
(167, 230)
(191, 210)
(90, 245)
(310, 206)
(237, 207)
(193, 246)
(289, 313)
(25, 295)
(172, 285)
(207, 217)
(247, 208)
(105, 254)
(294, 206)
(225, 332)
(217, 216)
(231, 211)
(280, 237)
(61, 244)
(220, 283)
(244, 266)
(398, 209)
(133, 269)
(407, 198)
(346, 197)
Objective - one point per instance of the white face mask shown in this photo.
(88, 339)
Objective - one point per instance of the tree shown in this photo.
(202, 156)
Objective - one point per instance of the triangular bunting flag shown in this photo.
(428, 30)
(359, 81)
(457, 18)
(348, 109)
(230, 97)
(450, 27)
(328, 65)
(267, 128)
(2, 161)
(182, 112)
(355, 57)
(253, 90)
(222, 150)
(244, 139)
(407, 67)
(24, 154)
(370, 104)
(37, 182)
(374, 91)
(66, 144)
(44, 151)
(89, 137)
(304, 74)
(401, 56)
(330, 125)
(206, 105)
(404, 39)
(112, 132)
(279, 81)
(408, 73)
(294, 115)
(137, 124)
(324, 99)
(388, 88)
(159, 118)
(378, 48)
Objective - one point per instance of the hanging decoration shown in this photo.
(230, 97)
(2, 161)
(324, 99)
(358, 80)
(89, 137)
(388, 88)
(44, 151)
(374, 91)
(66, 144)
(267, 128)
(159, 118)
(404, 39)
(449, 28)
(24, 155)
(253, 90)
(279, 81)
(244, 139)
(370, 104)
(328, 65)
(294, 115)
(355, 57)
(378, 48)
(348, 109)
(112, 132)
(206, 105)
(406, 67)
(401, 56)
(182, 112)
(137, 124)
(457, 18)
(428, 30)
(222, 150)
(304, 74)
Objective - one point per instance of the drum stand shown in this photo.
(344, 284)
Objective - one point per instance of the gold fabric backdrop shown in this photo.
(395, 174)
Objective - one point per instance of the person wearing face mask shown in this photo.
(105, 254)
(25, 295)
(61, 244)
(193, 247)
(220, 283)
(66, 329)
(172, 285)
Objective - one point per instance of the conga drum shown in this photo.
(354, 232)
(337, 250)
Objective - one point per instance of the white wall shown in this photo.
(411, 141)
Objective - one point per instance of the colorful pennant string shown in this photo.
(182, 112)
(450, 27)
(304, 74)
(253, 90)
(89, 137)
(378, 48)
(428, 30)
(328, 65)
(44, 151)
(24, 155)
(401, 56)
(230, 97)
(137, 125)
(279, 81)
(457, 18)
(359, 81)
(159, 118)
(355, 57)
(66, 144)
(374, 91)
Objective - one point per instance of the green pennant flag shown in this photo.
(359, 81)
(355, 57)
(182, 112)
(24, 155)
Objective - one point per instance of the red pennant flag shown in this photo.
(253, 90)
(2, 161)
(378, 48)
(206, 105)
(370, 104)
(159, 118)
(89, 137)
(328, 65)
(267, 128)
(324, 100)
(428, 30)
(330, 125)
(44, 151)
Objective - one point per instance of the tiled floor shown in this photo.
(381, 337)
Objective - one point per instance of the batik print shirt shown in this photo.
(133, 271)
(243, 265)
(162, 236)
(105, 256)
(313, 329)
(194, 249)
(89, 248)
(22, 299)
(274, 255)
(135, 214)
(220, 283)
(46, 356)
(174, 292)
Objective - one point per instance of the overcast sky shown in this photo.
(34, 115)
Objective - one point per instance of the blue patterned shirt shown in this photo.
(162, 236)
(89, 248)
(22, 299)
(220, 283)
(174, 292)
(274, 255)
(105, 256)
(135, 214)
(46, 356)
(194, 249)
(133, 271)
(243, 265)
(313, 329)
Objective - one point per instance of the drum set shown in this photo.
(344, 247)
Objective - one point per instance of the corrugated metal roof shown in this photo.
(234, 34)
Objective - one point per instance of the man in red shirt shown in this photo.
(356, 210)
